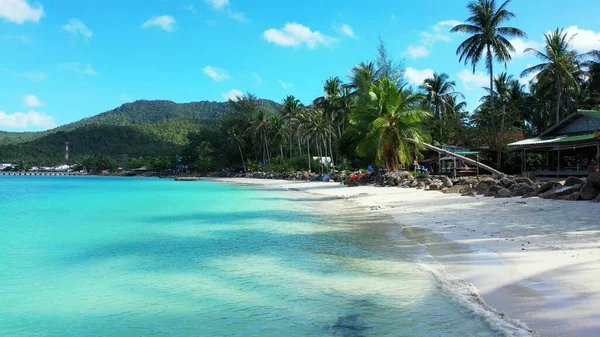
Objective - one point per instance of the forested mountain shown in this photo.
(138, 113)
(138, 129)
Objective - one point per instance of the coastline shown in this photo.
(537, 261)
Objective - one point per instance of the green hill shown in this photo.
(141, 128)
(138, 113)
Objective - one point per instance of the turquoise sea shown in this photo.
(97, 256)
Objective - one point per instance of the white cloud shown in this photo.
(294, 34)
(217, 4)
(22, 121)
(521, 45)
(237, 16)
(257, 78)
(233, 95)
(583, 40)
(34, 76)
(285, 85)
(19, 11)
(440, 32)
(417, 51)
(77, 28)
(216, 73)
(164, 22)
(31, 101)
(76, 67)
(416, 77)
(345, 29)
(190, 8)
(469, 79)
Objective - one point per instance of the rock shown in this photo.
(435, 186)
(447, 182)
(594, 179)
(456, 189)
(571, 181)
(530, 195)
(572, 197)
(524, 181)
(521, 189)
(560, 192)
(494, 188)
(489, 181)
(482, 191)
(490, 194)
(545, 187)
(414, 183)
(589, 191)
(504, 193)
(597, 199)
(505, 182)
(469, 194)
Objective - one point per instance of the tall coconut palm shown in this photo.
(488, 40)
(289, 115)
(236, 137)
(560, 66)
(439, 90)
(277, 133)
(363, 77)
(393, 118)
(501, 95)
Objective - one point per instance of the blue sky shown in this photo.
(61, 60)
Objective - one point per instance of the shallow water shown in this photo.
(92, 256)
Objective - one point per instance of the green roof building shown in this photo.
(570, 148)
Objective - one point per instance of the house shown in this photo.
(569, 148)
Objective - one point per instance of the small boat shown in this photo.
(187, 178)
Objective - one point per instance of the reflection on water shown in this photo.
(126, 257)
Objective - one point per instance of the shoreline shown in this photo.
(535, 260)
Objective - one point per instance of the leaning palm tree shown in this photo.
(560, 66)
(488, 40)
(393, 119)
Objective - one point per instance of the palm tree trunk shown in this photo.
(495, 172)
(332, 165)
(281, 150)
(500, 143)
(558, 103)
(491, 63)
(309, 158)
(242, 155)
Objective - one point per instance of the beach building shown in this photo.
(569, 148)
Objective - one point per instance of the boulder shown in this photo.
(435, 186)
(530, 195)
(505, 182)
(545, 187)
(489, 181)
(495, 188)
(456, 189)
(560, 192)
(597, 199)
(594, 179)
(521, 189)
(414, 183)
(571, 197)
(469, 194)
(589, 191)
(447, 182)
(504, 193)
(524, 181)
(571, 181)
(490, 194)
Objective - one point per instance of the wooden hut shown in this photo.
(570, 148)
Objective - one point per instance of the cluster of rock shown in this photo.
(299, 175)
(573, 188)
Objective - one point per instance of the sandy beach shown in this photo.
(537, 261)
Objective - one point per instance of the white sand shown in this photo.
(536, 260)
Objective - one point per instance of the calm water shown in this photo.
(90, 256)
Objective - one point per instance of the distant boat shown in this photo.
(187, 178)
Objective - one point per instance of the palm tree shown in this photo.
(278, 133)
(236, 137)
(289, 116)
(260, 129)
(487, 39)
(393, 122)
(363, 77)
(439, 92)
(560, 66)
(501, 94)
